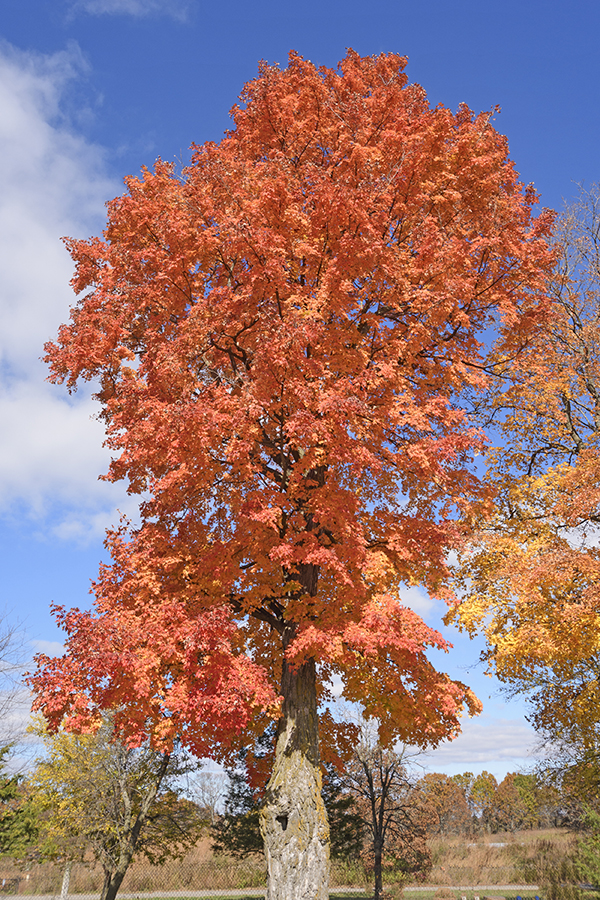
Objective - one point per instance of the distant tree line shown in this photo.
(468, 803)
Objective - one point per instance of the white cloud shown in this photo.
(52, 183)
(177, 9)
(50, 648)
(51, 449)
(417, 599)
(498, 745)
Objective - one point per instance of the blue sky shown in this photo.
(91, 90)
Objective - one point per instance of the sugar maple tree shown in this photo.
(533, 573)
(284, 337)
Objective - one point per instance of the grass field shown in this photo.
(460, 864)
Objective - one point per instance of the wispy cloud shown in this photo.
(176, 9)
(498, 745)
(52, 183)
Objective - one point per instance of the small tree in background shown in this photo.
(346, 823)
(237, 831)
(93, 792)
(587, 856)
(206, 789)
(393, 826)
(15, 701)
(444, 804)
(481, 795)
(18, 819)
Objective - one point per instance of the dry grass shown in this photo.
(511, 858)
(503, 858)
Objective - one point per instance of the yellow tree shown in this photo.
(531, 580)
(482, 793)
(96, 794)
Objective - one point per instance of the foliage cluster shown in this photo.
(530, 577)
(94, 794)
(18, 820)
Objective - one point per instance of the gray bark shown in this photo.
(293, 818)
(113, 877)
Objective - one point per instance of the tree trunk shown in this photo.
(113, 878)
(293, 818)
(112, 883)
(377, 872)
(105, 885)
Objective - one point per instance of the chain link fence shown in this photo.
(185, 878)
(218, 876)
(201, 875)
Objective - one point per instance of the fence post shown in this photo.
(66, 879)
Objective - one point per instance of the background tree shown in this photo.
(18, 820)
(531, 796)
(346, 820)
(481, 795)
(394, 828)
(465, 782)
(444, 804)
(514, 804)
(17, 817)
(284, 339)
(237, 831)
(207, 789)
(531, 581)
(93, 792)
(587, 853)
(14, 698)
